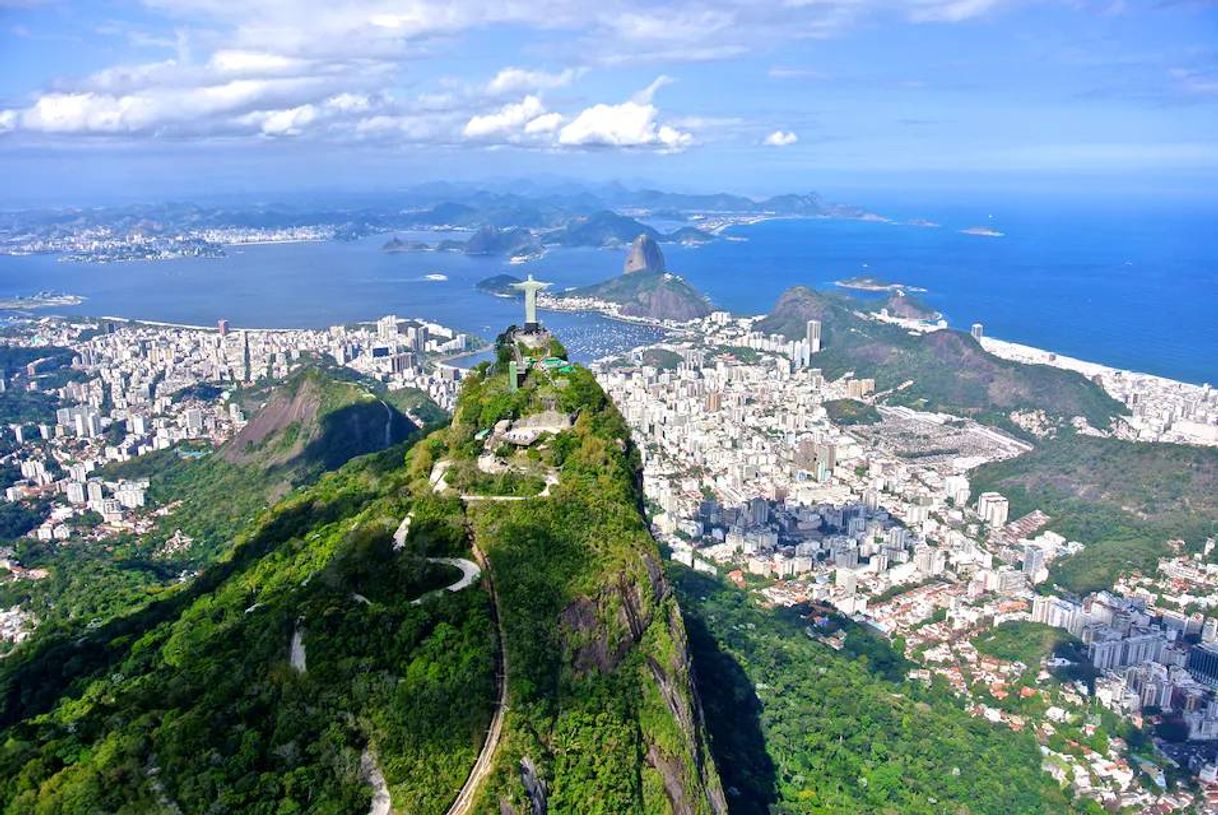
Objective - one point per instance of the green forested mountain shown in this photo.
(942, 370)
(602, 717)
(299, 430)
(193, 704)
(298, 670)
(798, 728)
(1125, 500)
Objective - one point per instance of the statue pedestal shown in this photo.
(534, 338)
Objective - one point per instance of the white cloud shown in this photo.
(288, 122)
(244, 63)
(949, 11)
(88, 112)
(629, 124)
(512, 80)
(349, 102)
(545, 123)
(780, 138)
(254, 69)
(186, 110)
(782, 72)
(506, 121)
(645, 96)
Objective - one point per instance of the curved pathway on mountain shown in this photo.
(470, 572)
(482, 767)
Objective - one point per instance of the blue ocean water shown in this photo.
(313, 285)
(1136, 288)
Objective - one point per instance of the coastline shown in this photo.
(1019, 352)
(1161, 410)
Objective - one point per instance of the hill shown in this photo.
(313, 423)
(608, 229)
(646, 289)
(942, 370)
(655, 295)
(900, 304)
(202, 498)
(318, 663)
(644, 256)
(603, 228)
(1124, 500)
(285, 678)
(490, 240)
(500, 285)
(603, 717)
(798, 727)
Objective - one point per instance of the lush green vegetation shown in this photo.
(18, 519)
(797, 727)
(1023, 641)
(213, 499)
(599, 700)
(654, 294)
(851, 411)
(191, 702)
(942, 371)
(662, 358)
(1124, 500)
(21, 406)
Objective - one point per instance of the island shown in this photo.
(983, 232)
(874, 284)
(500, 285)
(42, 299)
(396, 244)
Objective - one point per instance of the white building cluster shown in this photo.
(134, 388)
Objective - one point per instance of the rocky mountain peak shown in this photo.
(644, 256)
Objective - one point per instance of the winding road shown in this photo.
(482, 767)
(470, 572)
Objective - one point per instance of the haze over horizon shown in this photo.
(186, 98)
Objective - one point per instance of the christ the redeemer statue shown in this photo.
(530, 288)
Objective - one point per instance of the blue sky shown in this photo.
(182, 98)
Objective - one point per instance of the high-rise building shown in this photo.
(387, 327)
(978, 331)
(1033, 561)
(194, 421)
(814, 330)
(993, 508)
(1203, 664)
(222, 325)
(1209, 631)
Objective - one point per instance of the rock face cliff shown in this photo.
(644, 256)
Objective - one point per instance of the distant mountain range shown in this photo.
(608, 215)
(603, 229)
